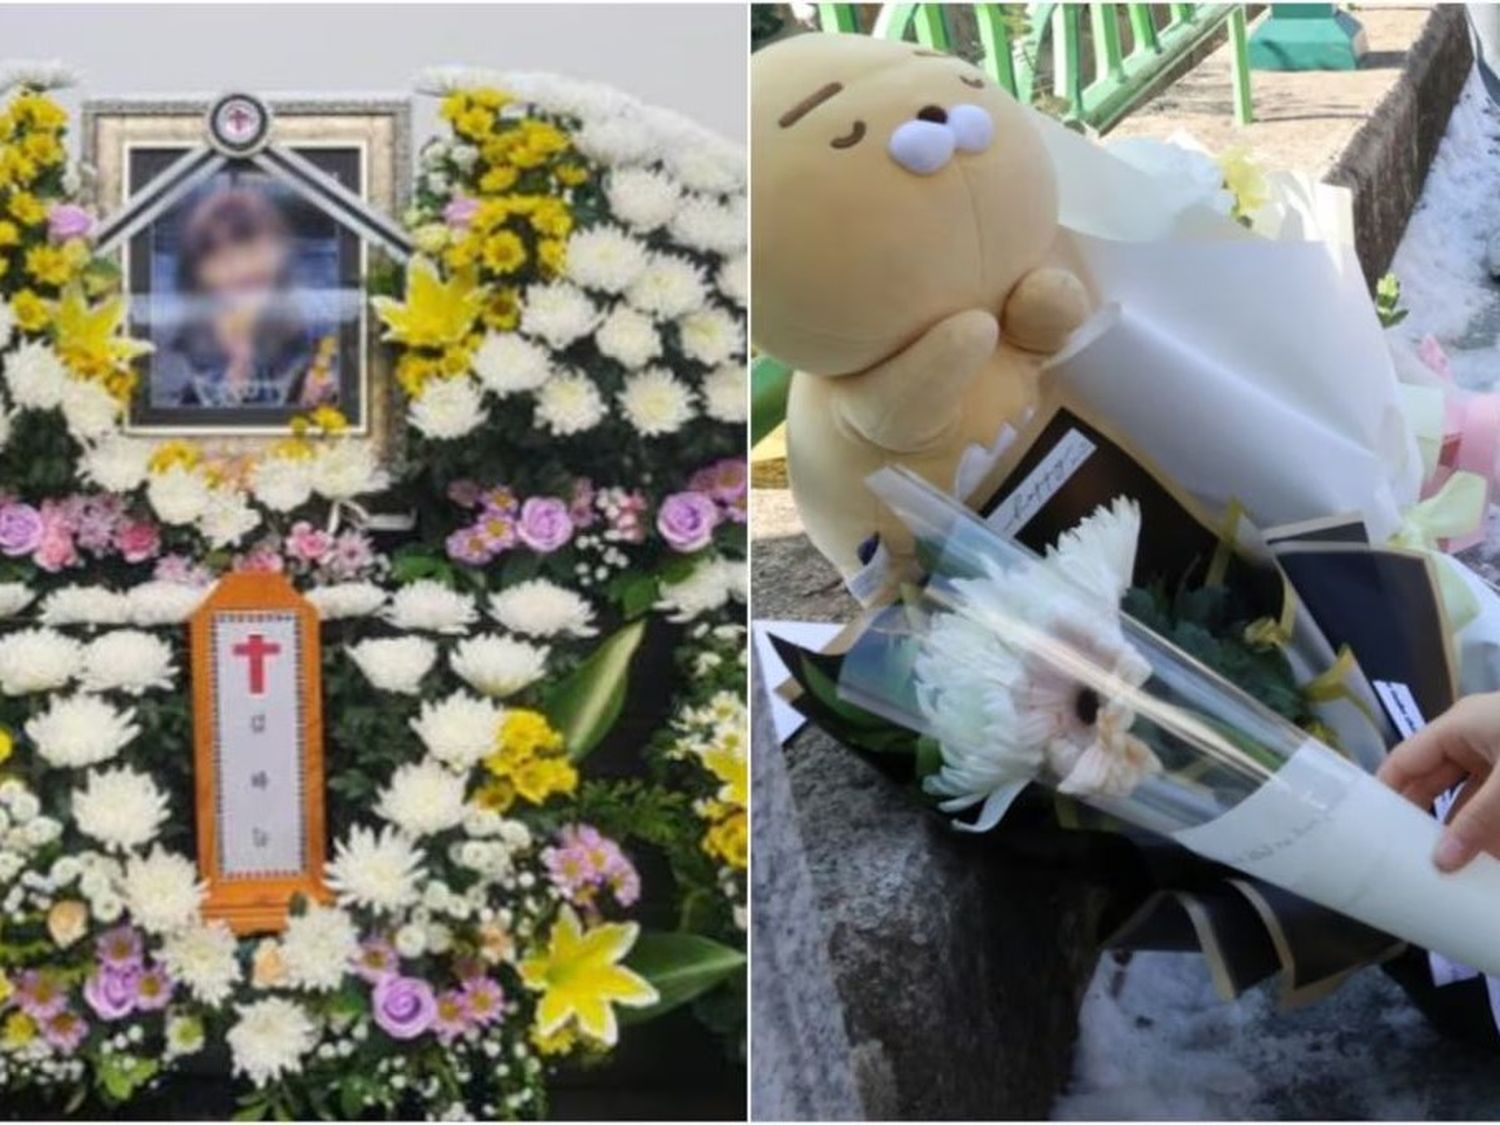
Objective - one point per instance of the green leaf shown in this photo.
(586, 703)
(681, 967)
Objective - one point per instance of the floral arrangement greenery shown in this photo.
(569, 349)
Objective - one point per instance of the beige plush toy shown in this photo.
(905, 229)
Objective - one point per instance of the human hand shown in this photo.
(1460, 745)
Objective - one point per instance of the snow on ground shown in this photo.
(1155, 1040)
(1445, 284)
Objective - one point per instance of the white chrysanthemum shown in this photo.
(14, 597)
(617, 140)
(342, 470)
(604, 258)
(429, 606)
(85, 605)
(422, 799)
(80, 730)
(711, 169)
(734, 279)
(203, 960)
(282, 483)
(89, 409)
(711, 336)
(38, 74)
(669, 287)
(459, 730)
(35, 660)
(447, 409)
(269, 1039)
(376, 871)
(179, 495)
(128, 660)
(641, 198)
(726, 394)
(346, 599)
(715, 228)
(228, 518)
(164, 603)
(120, 808)
(507, 362)
(709, 586)
(569, 404)
(117, 464)
(395, 663)
(498, 666)
(162, 891)
(538, 608)
(7, 323)
(629, 337)
(35, 376)
(558, 313)
(318, 947)
(656, 402)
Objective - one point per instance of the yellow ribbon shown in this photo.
(1328, 686)
(1455, 509)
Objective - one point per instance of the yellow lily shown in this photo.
(580, 977)
(436, 313)
(91, 338)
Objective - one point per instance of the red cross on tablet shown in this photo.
(256, 650)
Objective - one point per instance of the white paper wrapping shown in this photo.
(1324, 829)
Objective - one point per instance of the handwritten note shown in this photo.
(1042, 483)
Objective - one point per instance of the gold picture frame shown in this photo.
(121, 136)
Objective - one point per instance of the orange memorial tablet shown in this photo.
(258, 750)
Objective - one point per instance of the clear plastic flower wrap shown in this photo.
(1017, 668)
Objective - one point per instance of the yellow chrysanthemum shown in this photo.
(727, 839)
(727, 763)
(504, 252)
(581, 979)
(436, 313)
(20, 1029)
(48, 265)
(499, 177)
(172, 455)
(10, 234)
(32, 313)
(540, 778)
(26, 209)
(571, 175)
(7, 748)
(329, 419)
(528, 732)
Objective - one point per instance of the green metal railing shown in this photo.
(1098, 86)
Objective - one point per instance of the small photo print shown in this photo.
(250, 297)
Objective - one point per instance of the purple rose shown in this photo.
(68, 220)
(112, 993)
(404, 1006)
(21, 529)
(687, 521)
(545, 524)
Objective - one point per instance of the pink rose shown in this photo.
(68, 220)
(57, 548)
(137, 540)
(545, 524)
(460, 211)
(307, 542)
(260, 560)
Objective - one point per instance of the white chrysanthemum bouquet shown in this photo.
(1020, 669)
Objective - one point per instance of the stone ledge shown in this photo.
(1385, 163)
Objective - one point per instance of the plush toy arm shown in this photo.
(905, 402)
(1043, 309)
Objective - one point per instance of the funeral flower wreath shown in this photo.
(570, 351)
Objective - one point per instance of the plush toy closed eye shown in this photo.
(904, 261)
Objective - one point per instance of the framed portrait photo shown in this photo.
(249, 283)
